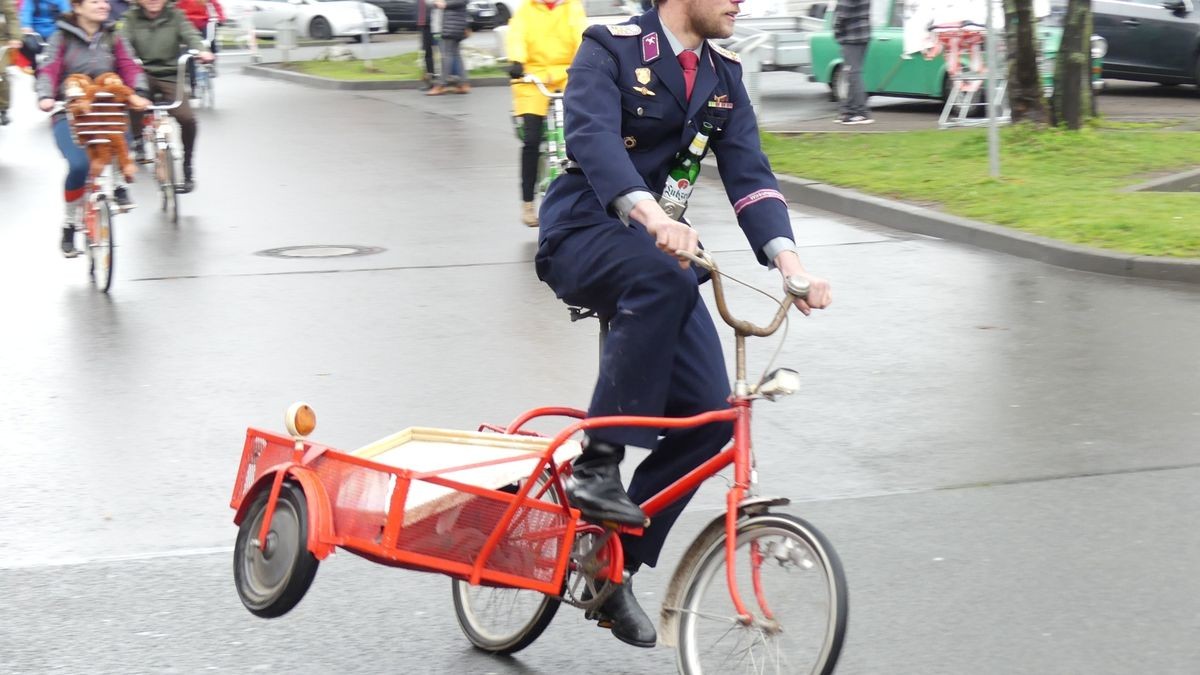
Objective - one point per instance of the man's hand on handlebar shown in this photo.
(819, 296)
(669, 235)
(517, 70)
(206, 57)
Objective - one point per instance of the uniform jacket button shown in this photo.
(640, 111)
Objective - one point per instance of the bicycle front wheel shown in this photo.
(167, 178)
(504, 620)
(101, 252)
(790, 580)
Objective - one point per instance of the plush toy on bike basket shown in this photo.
(488, 509)
(162, 138)
(554, 144)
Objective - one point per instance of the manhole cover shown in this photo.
(320, 251)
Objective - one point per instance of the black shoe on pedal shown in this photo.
(595, 486)
(68, 242)
(189, 183)
(628, 621)
(123, 200)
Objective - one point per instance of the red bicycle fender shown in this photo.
(320, 514)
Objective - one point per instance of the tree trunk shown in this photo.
(1024, 82)
(1072, 69)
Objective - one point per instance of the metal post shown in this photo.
(992, 102)
(362, 10)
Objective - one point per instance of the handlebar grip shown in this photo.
(796, 286)
(700, 258)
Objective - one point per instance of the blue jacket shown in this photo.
(42, 21)
(626, 117)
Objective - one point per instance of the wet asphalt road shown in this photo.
(1003, 453)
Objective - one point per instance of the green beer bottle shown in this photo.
(682, 177)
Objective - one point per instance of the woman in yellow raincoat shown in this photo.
(543, 37)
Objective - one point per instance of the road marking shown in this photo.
(71, 561)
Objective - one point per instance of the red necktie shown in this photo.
(688, 61)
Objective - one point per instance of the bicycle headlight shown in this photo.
(1099, 47)
(780, 382)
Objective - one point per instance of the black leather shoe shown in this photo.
(595, 486)
(3, 117)
(628, 621)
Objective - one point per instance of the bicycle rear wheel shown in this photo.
(790, 579)
(503, 620)
(98, 229)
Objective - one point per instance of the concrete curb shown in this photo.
(268, 70)
(911, 218)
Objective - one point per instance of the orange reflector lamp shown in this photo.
(300, 419)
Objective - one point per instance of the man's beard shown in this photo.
(710, 27)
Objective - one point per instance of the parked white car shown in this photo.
(317, 19)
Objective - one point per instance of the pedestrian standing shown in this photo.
(454, 31)
(852, 30)
(427, 44)
(543, 37)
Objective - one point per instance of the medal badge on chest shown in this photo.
(643, 77)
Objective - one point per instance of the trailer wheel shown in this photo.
(272, 580)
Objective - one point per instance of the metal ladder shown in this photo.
(965, 95)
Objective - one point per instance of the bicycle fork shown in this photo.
(743, 485)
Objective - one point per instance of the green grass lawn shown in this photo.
(1057, 184)
(402, 67)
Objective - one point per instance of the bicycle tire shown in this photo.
(270, 588)
(103, 252)
(484, 637)
(170, 198)
(210, 93)
(709, 565)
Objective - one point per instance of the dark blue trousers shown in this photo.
(662, 356)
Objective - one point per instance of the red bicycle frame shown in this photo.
(737, 454)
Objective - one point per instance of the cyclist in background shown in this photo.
(84, 42)
(38, 23)
(201, 13)
(157, 32)
(543, 37)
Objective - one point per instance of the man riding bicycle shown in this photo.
(201, 13)
(156, 33)
(639, 93)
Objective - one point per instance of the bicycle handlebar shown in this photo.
(794, 287)
(535, 80)
(179, 82)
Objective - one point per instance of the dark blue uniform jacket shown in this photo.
(627, 115)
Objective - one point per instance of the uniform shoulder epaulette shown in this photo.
(625, 29)
(732, 56)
